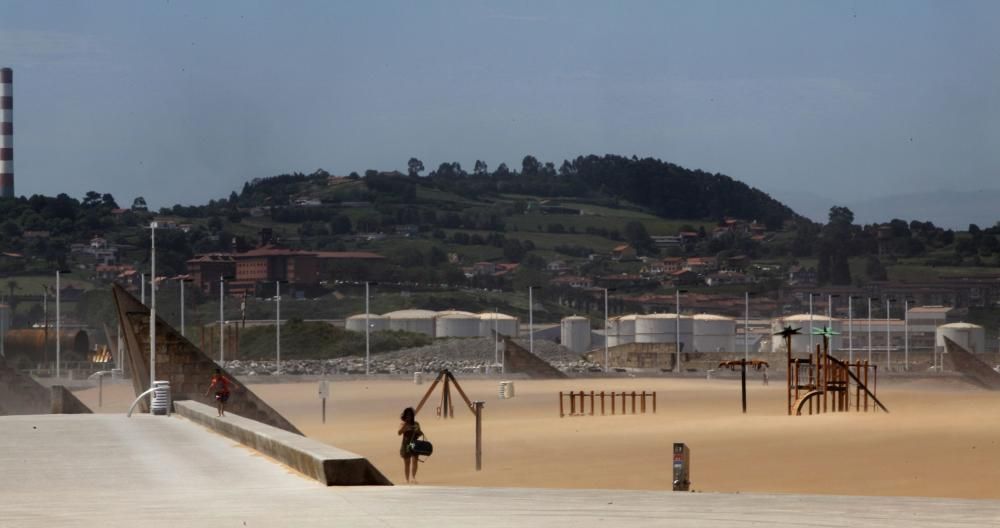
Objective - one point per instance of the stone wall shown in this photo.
(517, 360)
(972, 367)
(185, 366)
(660, 356)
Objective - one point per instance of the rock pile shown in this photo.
(473, 355)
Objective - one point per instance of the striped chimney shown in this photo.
(6, 133)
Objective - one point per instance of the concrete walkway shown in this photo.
(106, 470)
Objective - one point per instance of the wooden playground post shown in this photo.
(612, 403)
(623, 403)
(743, 383)
(591, 403)
(561, 413)
(654, 402)
(572, 403)
(866, 384)
(642, 406)
(602, 403)
(633, 402)
(875, 382)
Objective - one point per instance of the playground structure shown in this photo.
(820, 382)
(447, 407)
(575, 409)
(742, 364)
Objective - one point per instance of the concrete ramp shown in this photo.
(22, 394)
(520, 361)
(328, 464)
(972, 367)
(184, 365)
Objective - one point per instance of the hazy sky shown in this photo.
(184, 101)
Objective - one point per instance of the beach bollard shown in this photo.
(682, 467)
(418, 378)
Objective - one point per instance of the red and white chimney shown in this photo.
(6, 133)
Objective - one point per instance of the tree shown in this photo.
(637, 236)
(139, 205)
(480, 168)
(414, 167)
(530, 166)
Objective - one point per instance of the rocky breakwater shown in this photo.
(473, 355)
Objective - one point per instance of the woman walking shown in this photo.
(409, 429)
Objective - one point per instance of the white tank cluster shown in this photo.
(356, 323)
(967, 335)
(714, 333)
(446, 323)
(504, 324)
(621, 330)
(575, 333)
(800, 341)
(663, 328)
(455, 323)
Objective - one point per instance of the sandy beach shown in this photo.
(941, 439)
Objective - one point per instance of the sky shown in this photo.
(183, 101)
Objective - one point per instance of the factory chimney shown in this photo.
(6, 133)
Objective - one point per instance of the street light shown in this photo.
(152, 307)
(368, 329)
(850, 327)
(531, 320)
(142, 288)
(677, 326)
(810, 323)
(606, 326)
(870, 330)
(58, 323)
(906, 334)
(182, 279)
(888, 336)
(746, 326)
(222, 319)
(277, 325)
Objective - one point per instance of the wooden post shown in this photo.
(623, 402)
(612, 403)
(591, 403)
(788, 374)
(572, 403)
(633, 402)
(743, 382)
(642, 403)
(602, 403)
(654, 402)
(324, 410)
(478, 409)
(866, 384)
(561, 413)
(874, 388)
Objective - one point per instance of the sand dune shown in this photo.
(941, 439)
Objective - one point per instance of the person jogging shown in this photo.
(220, 384)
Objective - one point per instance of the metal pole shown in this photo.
(45, 315)
(58, 327)
(368, 329)
(605, 329)
(677, 328)
(152, 304)
(906, 334)
(850, 329)
(142, 288)
(888, 337)
(531, 323)
(478, 406)
(222, 322)
(810, 330)
(277, 330)
(496, 338)
(746, 326)
(183, 330)
(869, 330)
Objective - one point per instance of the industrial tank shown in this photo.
(356, 323)
(714, 333)
(662, 328)
(454, 323)
(575, 333)
(800, 341)
(621, 330)
(506, 325)
(30, 344)
(967, 335)
(417, 321)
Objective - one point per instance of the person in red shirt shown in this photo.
(221, 385)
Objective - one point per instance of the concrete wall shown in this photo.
(184, 365)
(972, 367)
(323, 462)
(517, 360)
(22, 394)
(64, 402)
(638, 355)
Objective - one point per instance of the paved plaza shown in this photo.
(108, 470)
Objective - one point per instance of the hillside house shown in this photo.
(623, 253)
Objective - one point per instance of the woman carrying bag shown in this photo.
(411, 448)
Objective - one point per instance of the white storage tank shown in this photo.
(662, 328)
(575, 333)
(800, 341)
(967, 335)
(506, 325)
(417, 321)
(356, 323)
(714, 333)
(621, 330)
(454, 323)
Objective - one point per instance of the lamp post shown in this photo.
(152, 302)
(222, 320)
(906, 334)
(869, 330)
(368, 329)
(850, 328)
(59, 323)
(810, 323)
(888, 336)
(531, 320)
(677, 326)
(142, 288)
(746, 328)
(606, 327)
(182, 279)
